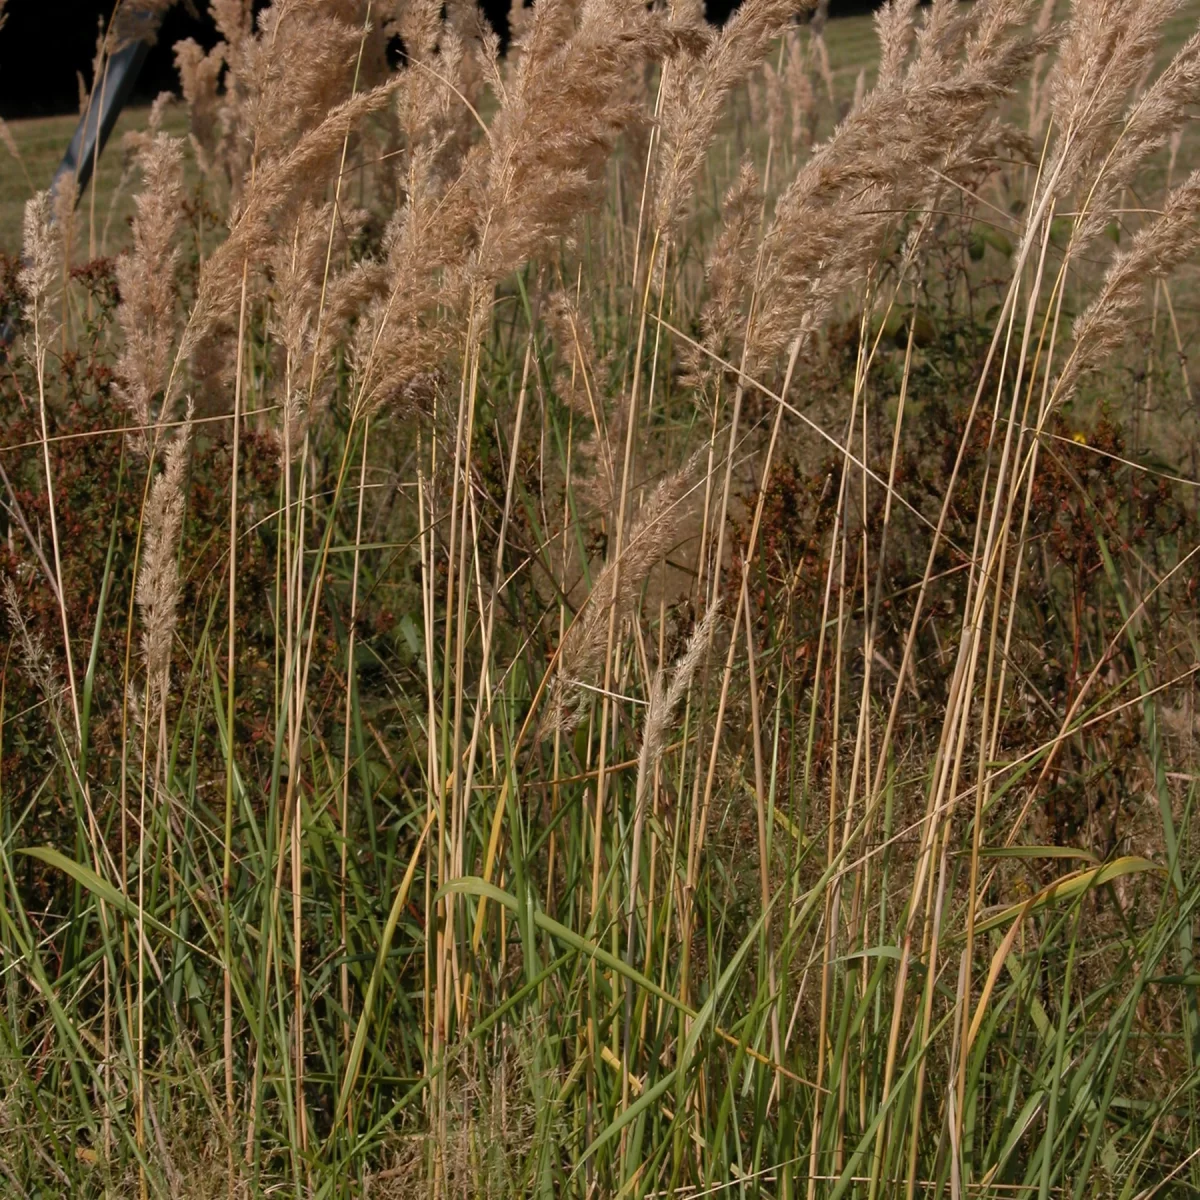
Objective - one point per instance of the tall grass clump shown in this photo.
(611, 613)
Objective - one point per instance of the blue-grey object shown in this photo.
(109, 96)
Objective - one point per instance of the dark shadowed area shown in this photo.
(45, 47)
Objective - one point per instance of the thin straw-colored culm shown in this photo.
(602, 605)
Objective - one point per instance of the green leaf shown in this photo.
(355, 1057)
(107, 892)
(472, 885)
(1039, 852)
(997, 241)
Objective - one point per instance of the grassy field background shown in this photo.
(41, 141)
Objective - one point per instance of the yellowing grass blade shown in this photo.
(1070, 886)
(1066, 888)
(994, 970)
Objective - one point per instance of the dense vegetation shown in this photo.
(612, 620)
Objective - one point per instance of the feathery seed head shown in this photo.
(665, 698)
(42, 255)
(881, 161)
(694, 94)
(730, 276)
(35, 659)
(652, 534)
(559, 121)
(146, 279)
(1157, 249)
(157, 591)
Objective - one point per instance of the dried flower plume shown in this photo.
(158, 579)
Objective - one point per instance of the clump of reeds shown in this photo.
(662, 561)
